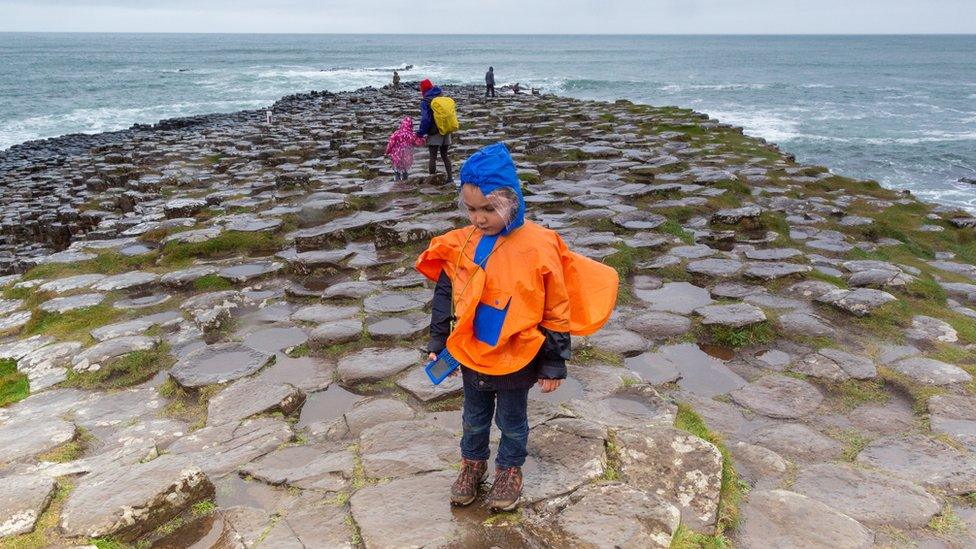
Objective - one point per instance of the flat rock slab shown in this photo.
(136, 326)
(336, 332)
(677, 466)
(954, 415)
(675, 297)
(804, 324)
(319, 314)
(402, 448)
(859, 302)
(25, 437)
(310, 522)
(185, 277)
(779, 397)
(71, 283)
(14, 321)
(420, 387)
(658, 325)
(694, 370)
(867, 496)
(618, 341)
(396, 302)
(247, 272)
(222, 449)
(779, 518)
(247, 397)
(426, 522)
(715, 268)
(311, 467)
(218, 364)
(734, 315)
(761, 467)
(930, 371)
(125, 281)
(374, 364)
(565, 454)
(930, 462)
(405, 326)
(93, 357)
(612, 515)
(773, 270)
(797, 442)
(364, 414)
(133, 500)
(22, 500)
(71, 303)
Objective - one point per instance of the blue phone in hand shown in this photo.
(441, 367)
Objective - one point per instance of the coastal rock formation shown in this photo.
(212, 334)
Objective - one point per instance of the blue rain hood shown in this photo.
(490, 169)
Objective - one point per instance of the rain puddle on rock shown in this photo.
(308, 373)
(720, 352)
(568, 390)
(325, 406)
(700, 372)
(482, 529)
(631, 408)
(233, 490)
(271, 340)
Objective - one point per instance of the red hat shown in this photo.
(425, 85)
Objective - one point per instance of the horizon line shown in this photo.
(492, 34)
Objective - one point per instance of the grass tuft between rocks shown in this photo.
(732, 488)
(230, 242)
(14, 385)
(130, 369)
(45, 532)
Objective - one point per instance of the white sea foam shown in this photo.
(772, 126)
(105, 119)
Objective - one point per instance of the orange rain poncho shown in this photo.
(531, 280)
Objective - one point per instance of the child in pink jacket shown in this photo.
(400, 148)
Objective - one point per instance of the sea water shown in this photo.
(898, 109)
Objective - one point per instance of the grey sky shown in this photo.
(494, 16)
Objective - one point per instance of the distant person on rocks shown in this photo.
(490, 82)
(508, 295)
(438, 137)
(396, 81)
(515, 88)
(400, 148)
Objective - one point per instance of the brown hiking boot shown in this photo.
(465, 488)
(506, 489)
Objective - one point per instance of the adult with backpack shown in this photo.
(438, 120)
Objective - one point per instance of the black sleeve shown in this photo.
(440, 314)
(555, 351)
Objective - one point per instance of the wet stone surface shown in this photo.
(273, 266)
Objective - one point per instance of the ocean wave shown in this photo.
(769, 125)
(107, 119)
(817, 86)
(678, 88)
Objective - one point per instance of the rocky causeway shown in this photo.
(212, 332)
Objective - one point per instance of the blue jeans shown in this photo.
(511, 416)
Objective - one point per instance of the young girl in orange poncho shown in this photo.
(509, 294)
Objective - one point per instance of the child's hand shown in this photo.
(431, 356)
(549, 385)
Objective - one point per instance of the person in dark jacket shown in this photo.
(490, 82)
(396, 81)
(436, 142)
